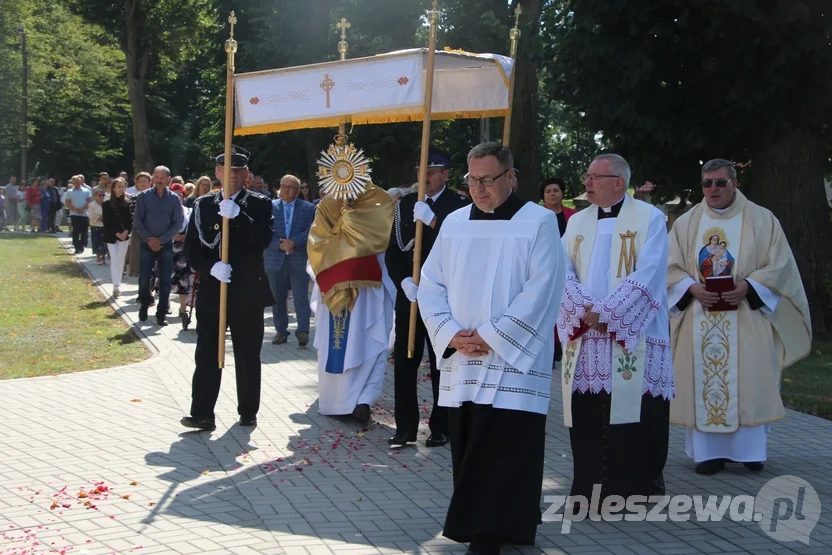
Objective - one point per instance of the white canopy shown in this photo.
(378, 89)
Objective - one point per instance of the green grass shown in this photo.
(807, 386)
(53, 320)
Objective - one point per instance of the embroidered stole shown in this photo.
(715, 334)
(628, 237)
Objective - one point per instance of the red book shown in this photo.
(721, 284)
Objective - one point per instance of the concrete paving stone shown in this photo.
(241, 507)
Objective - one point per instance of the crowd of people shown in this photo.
(643, 326)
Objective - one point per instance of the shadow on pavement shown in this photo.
(333, 480)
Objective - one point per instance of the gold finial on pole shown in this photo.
(230, 50)
(514, 35)
(343, 46)
(433, 19)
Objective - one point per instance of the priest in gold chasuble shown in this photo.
(616, 372)
(353, 295)
(739, 316)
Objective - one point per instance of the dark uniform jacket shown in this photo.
(399, 257)
(251, 233)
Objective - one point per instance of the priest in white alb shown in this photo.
(616, 373)
(352, 296)
(739, 317)
(489, 295)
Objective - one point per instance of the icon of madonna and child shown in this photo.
(714, 258)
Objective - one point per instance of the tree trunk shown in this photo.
(787, 178)
(524, 140)
(138, 63)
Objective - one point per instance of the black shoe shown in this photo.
(436, 439)
(198, 423)
(401, 439)
(186, 320)
(485, 545)
(657, 487)
(362, 413)
(143, 313)
(710, 467)
(160, 321)
(754, 466)
(249, 422)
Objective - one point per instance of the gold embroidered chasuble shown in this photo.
(718, 390)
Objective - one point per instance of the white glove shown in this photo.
(410, 288)
(421, 211)
(229, 209)
(221, 271)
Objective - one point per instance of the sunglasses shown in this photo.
(721, 183)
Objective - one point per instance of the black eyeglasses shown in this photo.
(721, 183)
(484, 181)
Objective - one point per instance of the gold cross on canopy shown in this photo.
(343, 46)
(344, 25)
(327, 85)
(232, 19)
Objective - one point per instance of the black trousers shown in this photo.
(247, 338)
(497, 457)
(625, 459)
(80, 225)
(406, 374)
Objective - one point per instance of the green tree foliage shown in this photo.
(159, 38)
(674, 82)
(78, 111)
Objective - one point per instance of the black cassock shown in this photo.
(624, 459)
(399, 262)
(497, 457)
(248, 295)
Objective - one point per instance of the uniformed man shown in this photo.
(439, 202)
(251, 228)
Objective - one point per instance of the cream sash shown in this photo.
(629, 235)
(715, 341)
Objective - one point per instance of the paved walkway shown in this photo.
(299, 483)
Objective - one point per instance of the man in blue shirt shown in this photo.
(285, 260)
(76, 200)
(158, 218)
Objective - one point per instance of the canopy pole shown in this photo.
(230, 50)
(514, 35)
(343, 48)
(433, 19)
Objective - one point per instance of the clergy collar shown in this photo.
(505, 211)
(612, 211)
(723, 211)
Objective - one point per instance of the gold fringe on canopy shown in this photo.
(390, 116)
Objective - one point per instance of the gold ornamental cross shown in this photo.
(327, 85)
(232, 19)
(627, 258)
(343, 25)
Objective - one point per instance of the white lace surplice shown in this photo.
(637, 307)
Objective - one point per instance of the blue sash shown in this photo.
(339, 326)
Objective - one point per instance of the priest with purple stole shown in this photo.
(489, 295)
(731, 343)
(617, 373)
